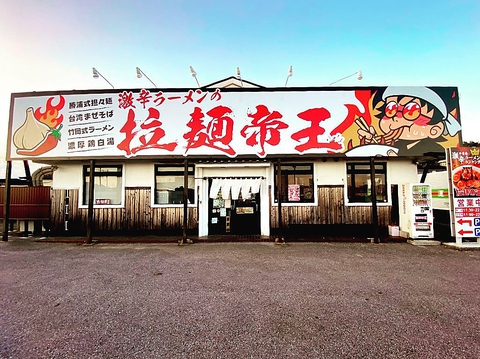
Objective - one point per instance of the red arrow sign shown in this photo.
(467, 221)
(462, 232)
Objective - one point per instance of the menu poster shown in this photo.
(464, 179)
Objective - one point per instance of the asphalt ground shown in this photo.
(238, 300)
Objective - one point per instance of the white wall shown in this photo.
(335, 173)
(399, 172)
(330, 172)
(68, 176)
(139, 174)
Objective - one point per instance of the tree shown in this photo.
(471, 144)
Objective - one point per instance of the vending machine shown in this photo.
(416, 212)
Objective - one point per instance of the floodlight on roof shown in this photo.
(140, 73)
(97, 74)
(358, 73)
(239, 76)
(290, 74)
(194, 74)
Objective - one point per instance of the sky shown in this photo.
(53, 45)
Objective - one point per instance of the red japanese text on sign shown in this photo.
(264, 128)
(315, 116)
(145, 136)
(217, 133)
(125, 100)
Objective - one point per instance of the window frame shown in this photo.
(179, 173)
(83, 200)
(286, 172)
(381, 169)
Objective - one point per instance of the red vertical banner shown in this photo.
(464, 174)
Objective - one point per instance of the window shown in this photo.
(359, 182)
(297, 183)
(169, 184)
(107, 185)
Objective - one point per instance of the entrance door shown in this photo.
(235, 217)
(245, 218)
(218, 216)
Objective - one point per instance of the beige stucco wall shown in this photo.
(399, 172)
(141, 173)
(67, 176)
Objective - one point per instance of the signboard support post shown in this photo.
(374, 200)
(6, 208)
(184, 239)
(28, 175)
(458, 240)
(279, 238)
(91, 186)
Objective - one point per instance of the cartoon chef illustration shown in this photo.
(411, 119)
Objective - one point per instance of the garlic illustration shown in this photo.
(30, 133)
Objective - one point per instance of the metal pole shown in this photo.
(28, 174)
(6, 208)
(185, 200)
(279, 199)
(374, 200)
(91, 186)
(67, 209)
(425, 172)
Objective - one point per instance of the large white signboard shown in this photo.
(260, 122)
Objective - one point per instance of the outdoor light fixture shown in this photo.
(239, 76)
(194, 74)
(290, 74)
(358, 73)
(140, 73)
(97, 74)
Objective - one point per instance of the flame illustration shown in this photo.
(50, 116)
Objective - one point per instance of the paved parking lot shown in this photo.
(238, 300)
